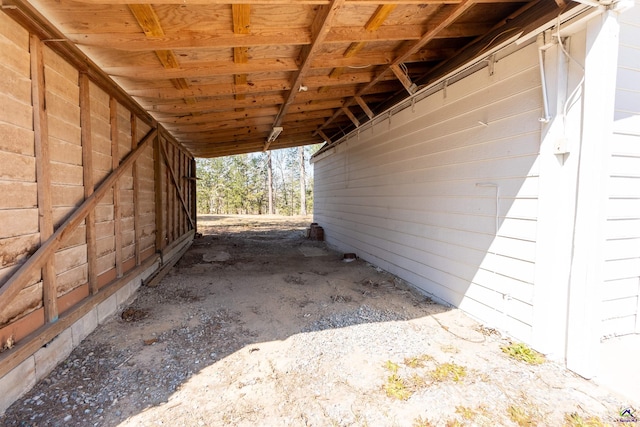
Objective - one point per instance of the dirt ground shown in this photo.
(258, 326)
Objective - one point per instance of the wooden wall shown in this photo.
(91, 190)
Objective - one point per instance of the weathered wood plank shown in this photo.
(17, 222)
(15, 250)
(12, 287)
(29, 299)
(18, 195)
(72, 279)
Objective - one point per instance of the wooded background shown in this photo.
(240, 184)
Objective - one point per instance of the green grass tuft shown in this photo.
(523, 353)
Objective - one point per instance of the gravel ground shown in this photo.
(258, 326)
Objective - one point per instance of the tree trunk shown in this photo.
(303, 184)
(270, 183)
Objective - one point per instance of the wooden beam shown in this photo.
(43, 173)
(287, 2)
(147, 19)
(197, 39)
(364, 107)
(241, 18)
(241, 15)
(353, 118)
(375, 22)
(404, 79)
(209, 69)
(259, 87)
(454, 14)
(270, 37)
(87, 171)
(319, 30)
(451, 17)
(177, 108)
(137, 227)
(159, 196)
(150, 24)
(194, 199)
(21, 277)
(117, 208)
(325, 137)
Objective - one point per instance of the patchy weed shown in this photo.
(524, 353)
(521, 416)
(417, 361)
(421, 422)
(391, 367)
(465, 412)
(449, 371)
(397, 388)
(575, 420)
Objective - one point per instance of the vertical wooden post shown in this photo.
(157, 178)
(43, 173)
(170, 193)
(136, 190)
(115, 161)
(194, 205)
(87, 172)
(181, 180)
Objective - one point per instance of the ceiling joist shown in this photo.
(219, 75)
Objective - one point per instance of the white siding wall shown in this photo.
(416, 195)
(621, 290)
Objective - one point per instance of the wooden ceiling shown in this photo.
(220, 75)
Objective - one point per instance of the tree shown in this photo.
(303, 184)
(274, 182)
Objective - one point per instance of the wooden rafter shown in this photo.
(270, 37)
(375, 22)
(455, 12)
(288, 2)
(319, 29)
(364, 106)
(227, 71)
(150, 24)
(241, 25)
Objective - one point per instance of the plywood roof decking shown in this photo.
(220, 74)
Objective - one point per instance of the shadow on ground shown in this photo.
(257, 325)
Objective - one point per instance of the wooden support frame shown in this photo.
(43, 174)
(351, 116)
(364, 107)
(23, 275)
(136, 189)
(87, 171)
(176, 183)
(115, 161)
(159, 195)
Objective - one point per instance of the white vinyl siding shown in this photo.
(416, 194)
(621, 290)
